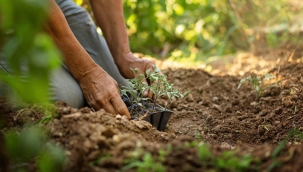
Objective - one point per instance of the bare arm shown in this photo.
(99, 89)
(110, 18)
(75, 57)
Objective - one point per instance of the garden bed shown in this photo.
(215, 122)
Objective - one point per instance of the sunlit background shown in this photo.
(205, 30)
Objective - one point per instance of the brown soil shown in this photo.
(213, 111)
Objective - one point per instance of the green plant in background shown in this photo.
(192, 30)
(30, 54)
(189, 26)
(197, 29)
(256, 82)
(27, 57)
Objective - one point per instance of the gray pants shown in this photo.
(63, 86)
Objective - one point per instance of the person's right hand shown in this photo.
(101, 91)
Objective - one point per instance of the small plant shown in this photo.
(256, 82)
(145, 161)
(134, 92)
(160, 87)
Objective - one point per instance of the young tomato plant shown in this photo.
(159, 86)
(134, 92)
(256, 82)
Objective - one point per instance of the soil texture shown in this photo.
(214, 113)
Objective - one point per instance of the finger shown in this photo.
(108, 107)
(150, 94)
(95, 106)
(120, 107)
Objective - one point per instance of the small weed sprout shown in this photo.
(160, 87)
(256, 82)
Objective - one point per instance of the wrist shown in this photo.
(84, 71)
(124, 60)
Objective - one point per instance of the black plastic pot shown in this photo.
(157, 116)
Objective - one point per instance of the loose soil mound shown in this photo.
(214, 112)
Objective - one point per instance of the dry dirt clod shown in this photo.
(254, 103)
(225, 145)
(215, 99)
(217, 107)
(74, 115)
(143, 124)
(228, 109)
(275, 90)
(190, 98)
(173, 104)
(109, 132)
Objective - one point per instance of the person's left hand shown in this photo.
(130, 61)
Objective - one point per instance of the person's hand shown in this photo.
(102, 91)
(131, 62)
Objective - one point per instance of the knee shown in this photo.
(65, 88)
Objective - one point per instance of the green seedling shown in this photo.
(159, 86)
(134, 92)
(256, 82)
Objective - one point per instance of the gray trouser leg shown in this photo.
(63, 86)
(85, 31)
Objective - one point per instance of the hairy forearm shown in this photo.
(109, 17)
(75, 57)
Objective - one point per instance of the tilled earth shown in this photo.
(213, 112)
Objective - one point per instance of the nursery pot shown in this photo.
(157, 115)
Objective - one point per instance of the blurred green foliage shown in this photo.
(30, 54)
(187, 25)
(201, 28)
(198, 29)
(30, 144)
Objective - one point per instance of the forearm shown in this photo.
(75, 57)
(109, 17)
